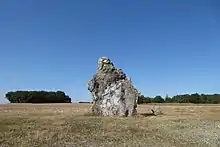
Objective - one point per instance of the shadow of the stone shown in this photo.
(137, 115)
(146, 114)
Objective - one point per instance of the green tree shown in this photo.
(37, 97)
(158, 99)
(168, 99)
(141, 99)
(147, 100)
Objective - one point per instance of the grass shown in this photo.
(66, 125)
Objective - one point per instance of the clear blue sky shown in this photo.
(166, 47)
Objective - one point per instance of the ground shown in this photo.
(68, 125)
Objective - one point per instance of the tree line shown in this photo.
(185, 98)
(37, 97)
(61, 97)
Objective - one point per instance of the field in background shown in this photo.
(66, 125)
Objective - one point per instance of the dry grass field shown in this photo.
(66, 125)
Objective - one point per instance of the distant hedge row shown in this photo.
(37, 97)
(186, 98)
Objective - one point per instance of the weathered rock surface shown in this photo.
(112, 91)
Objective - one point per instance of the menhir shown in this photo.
(113, 92)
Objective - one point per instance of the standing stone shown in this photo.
(112, 91)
